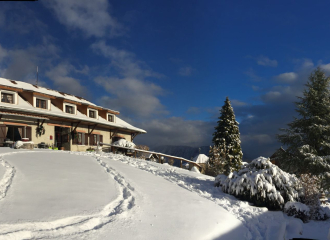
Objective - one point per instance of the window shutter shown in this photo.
(91, 139)
(82, 138)
(3, 133)
(75, 138)
(29, 133)
(86, 139)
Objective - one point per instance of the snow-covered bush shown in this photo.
(312, 189)
(305, 212)
(219, 180)
(326, 209)
(297, 210)
(124, 143)
(263, 184)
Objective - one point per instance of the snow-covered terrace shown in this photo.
(134, 150)
(24, 106)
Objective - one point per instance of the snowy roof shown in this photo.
(30, 87)
(24, 106)
(201, 158)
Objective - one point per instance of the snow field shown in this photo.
(147, 201)
(76, 224)
(261, 223)
(7, 173)
(164, 210)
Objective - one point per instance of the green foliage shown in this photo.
(226, 155)
(308, 137)
(217, 160)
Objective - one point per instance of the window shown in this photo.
(95, 138)
(110, 118)
(41, 103)
(78, 138)
(92, 114)
(69, 109)
(7, 97)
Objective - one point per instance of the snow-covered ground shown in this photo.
(67, 195)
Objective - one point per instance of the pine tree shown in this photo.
(227, 139)
(217, 160)
(308, 137)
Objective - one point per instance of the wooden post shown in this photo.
(180, 163)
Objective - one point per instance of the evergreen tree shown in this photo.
(308, 137)
(227, 139)
(217, 160)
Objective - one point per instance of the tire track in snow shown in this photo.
(75, 224)
(7, 178)
(255, 219)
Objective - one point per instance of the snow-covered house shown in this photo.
(202, 160)
(56, 118)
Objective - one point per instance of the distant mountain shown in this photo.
(182, 151)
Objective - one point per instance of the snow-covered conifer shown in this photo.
(227, 139)
(308, 137)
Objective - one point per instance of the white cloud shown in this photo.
(265, 61)
(237, 103)
(60, 75)
(132, 96)
(288, 77)
(130, 91)
(91, 17)
(3, 53)
(176, 131)
(251, 73)
(258, 138)
(186, 71)
(124, 61)
(193, 110)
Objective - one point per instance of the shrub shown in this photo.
(219, 180)
(263, 184)
(312, 189)
(171, 161)
(142, 147)
(297, 210)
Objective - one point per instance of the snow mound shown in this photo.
(195, 169)
(20, 144)
(201, 158)
(263, 184)
(124, 143)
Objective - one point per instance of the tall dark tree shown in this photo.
(308, 137)
(227, 139)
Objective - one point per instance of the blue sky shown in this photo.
(168, 66)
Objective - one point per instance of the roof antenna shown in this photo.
(37, 76)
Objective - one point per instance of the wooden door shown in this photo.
(3, 133)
